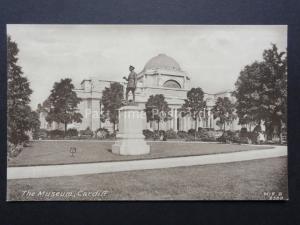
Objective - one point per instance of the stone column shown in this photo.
(181, 124)
(175, 119)
(209, 118)
(171, 122)
(185, 123)
(189, 123)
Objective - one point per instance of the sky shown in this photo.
(212, 55)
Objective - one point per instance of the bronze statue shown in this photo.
(131, 85)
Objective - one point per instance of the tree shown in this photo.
(223, 110)
(157, 109)
(34, 122)
(248, 98)
(44, 107)
(62, 104)
(112, 99)
(194, 105)
(261, 91)
(18, 98)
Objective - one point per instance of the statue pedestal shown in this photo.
(130, 138)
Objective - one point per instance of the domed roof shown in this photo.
(162, 61)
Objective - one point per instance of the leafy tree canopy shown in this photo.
(62, 103)
(223, 110)
(21, 119)
(194, 104)
(261, 90)
(112, 99)
(157, 109)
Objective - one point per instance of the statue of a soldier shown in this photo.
(131, 83)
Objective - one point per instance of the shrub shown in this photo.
(148, 134)
(223, 138)
(235, 138)
(253, 136)
(102, 133)
(209, 139)
(13, 150)
(229, 137)
(158, 134)
(191, 132)
(56, 133)
(207, 135)
(112, 135)
(192, 138)
(171, 134)
(182, 134)
(203, 134)
(72, 132)
(18, 137)
(242, 137)
(40, 134)
(86, 132)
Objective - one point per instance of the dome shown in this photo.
(162, 61)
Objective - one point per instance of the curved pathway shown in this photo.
(108, 167)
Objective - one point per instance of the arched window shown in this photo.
(172, 84)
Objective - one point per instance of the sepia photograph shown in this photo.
(146, 112)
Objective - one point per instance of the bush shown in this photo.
(242, 137)
(18, 137)
(229, 137)
(72, 132)
(40, 134)
(102, 133)
(182, 134)
(13, 150)
(235, 138)
(86, 132)
(56, 133)
(171, 134)
(207, 135)
(112, 135)
(156, 135)
(192, 138)
(191, 132)
(203, 134)
(253, 136)
(148, 134)
(249, 137)
(159, 135)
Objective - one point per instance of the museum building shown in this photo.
(160, 75)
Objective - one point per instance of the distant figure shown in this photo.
(131, 85)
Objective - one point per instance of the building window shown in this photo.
(171, 84)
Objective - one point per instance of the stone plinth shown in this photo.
(130, 138)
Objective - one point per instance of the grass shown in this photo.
(58, 152)
(247, 180)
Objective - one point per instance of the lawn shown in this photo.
(247, 180)
(58, 152)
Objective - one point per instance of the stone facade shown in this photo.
(160, 75)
